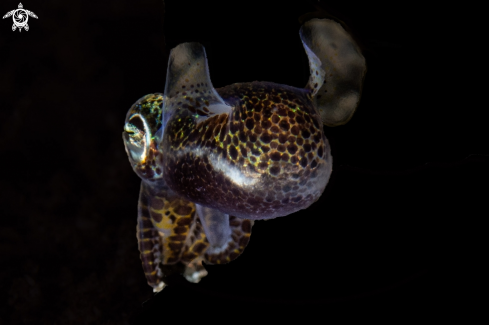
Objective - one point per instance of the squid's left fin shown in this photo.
(188, 85)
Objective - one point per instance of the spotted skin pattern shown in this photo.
(169, 231)
(212, 160)
(149, 244)
(273, 137)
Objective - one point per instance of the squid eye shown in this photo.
(136, 138)
(137, 122)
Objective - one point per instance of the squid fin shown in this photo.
(337, 69)
(188, 85)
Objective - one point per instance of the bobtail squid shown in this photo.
(214, 160)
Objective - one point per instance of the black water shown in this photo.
(392, 234)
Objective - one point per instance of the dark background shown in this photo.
(391, 234)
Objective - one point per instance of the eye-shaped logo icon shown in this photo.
(20, 17)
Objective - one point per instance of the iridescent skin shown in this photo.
(214, 160)
(267, 158)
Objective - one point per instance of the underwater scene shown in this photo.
(245, 161)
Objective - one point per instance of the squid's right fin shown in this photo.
(337, 69)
